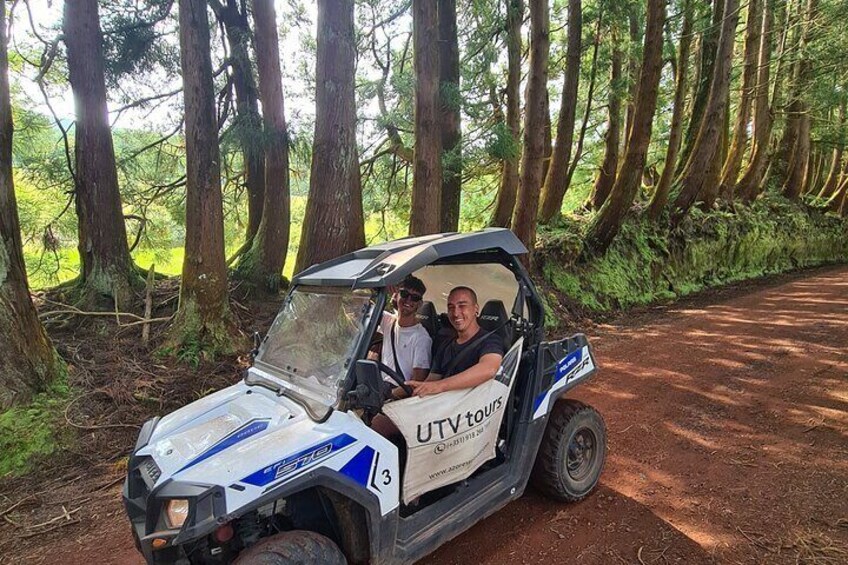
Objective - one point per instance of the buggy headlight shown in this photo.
(176, 512)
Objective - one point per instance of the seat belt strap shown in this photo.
(394, 352)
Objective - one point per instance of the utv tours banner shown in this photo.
(450, 435)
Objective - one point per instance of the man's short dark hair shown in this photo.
(467, 289)
(414, 284)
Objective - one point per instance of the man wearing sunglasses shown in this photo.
(406, 344)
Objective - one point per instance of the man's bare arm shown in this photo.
(418, 375)
(484, 370)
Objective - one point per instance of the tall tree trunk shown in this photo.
(248, 122)
(838, 202)
(590, 94)
(814, 170)
(508, 189)
(608, 221)
(632, 67)
(797, 174)
(709, 45)
(553, 191)
(334, 222)
(833, 176)
(612, 137)
(28, 363)
(790, 43)
(748, 186)
(695, 82)
(450, 115)
(832, 179)
(263, 263)
(107, 269)
(203, 320)
(425, 216)
(733, 163)
(659, 200)
(697, 170)
(532, 160)
(548, 133)
(710, 192)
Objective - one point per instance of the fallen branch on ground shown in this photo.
(754, 541)
(743, 463)
(15, 505)
(56, 527)
(65, 514)
(815, 424)
(68, 309)
(818, 549)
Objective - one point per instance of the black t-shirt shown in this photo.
(445, 356)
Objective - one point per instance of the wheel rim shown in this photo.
(581, 454)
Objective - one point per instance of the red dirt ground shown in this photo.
(727, 418)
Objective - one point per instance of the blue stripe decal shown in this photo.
(250, 429)
(538, 401)
(298, 461)
(563, 369)
(359, 468)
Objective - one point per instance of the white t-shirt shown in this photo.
(413, 347)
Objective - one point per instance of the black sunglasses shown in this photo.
(410, 295)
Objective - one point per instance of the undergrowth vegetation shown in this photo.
(29, 434)
(647, 264)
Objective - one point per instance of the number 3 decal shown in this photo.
(387, 477)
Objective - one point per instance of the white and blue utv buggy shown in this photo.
(283, 467)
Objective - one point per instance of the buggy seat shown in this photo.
(494, 317)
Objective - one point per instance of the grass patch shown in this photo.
(30, 433)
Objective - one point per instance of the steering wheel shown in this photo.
(395, 377)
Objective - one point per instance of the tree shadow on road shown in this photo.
(606, 527)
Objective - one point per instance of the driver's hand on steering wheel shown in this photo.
(426, 388)
(399, 394)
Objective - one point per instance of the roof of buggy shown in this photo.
(388, 263)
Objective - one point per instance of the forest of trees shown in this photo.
(231, 142)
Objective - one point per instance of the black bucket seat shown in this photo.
(494, 317)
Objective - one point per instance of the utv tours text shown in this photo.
(283, 466)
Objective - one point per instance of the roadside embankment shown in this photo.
(646, 264)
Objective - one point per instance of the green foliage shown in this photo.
(502, 145)
(132, 40)
(646, 265)
(31, 433)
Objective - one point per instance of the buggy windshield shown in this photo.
(313, 340)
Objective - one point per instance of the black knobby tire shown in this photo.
(297, 547)
(571, 456)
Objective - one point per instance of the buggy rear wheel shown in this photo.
(299, 547)
(572, 454)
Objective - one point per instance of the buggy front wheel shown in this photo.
(297, 547)
(571, 456)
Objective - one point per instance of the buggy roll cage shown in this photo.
(386, 264)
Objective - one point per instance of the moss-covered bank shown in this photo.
(646, 264)
(31, 433)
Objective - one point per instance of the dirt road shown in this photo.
(728, 427)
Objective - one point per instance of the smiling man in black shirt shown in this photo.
(470, 359)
